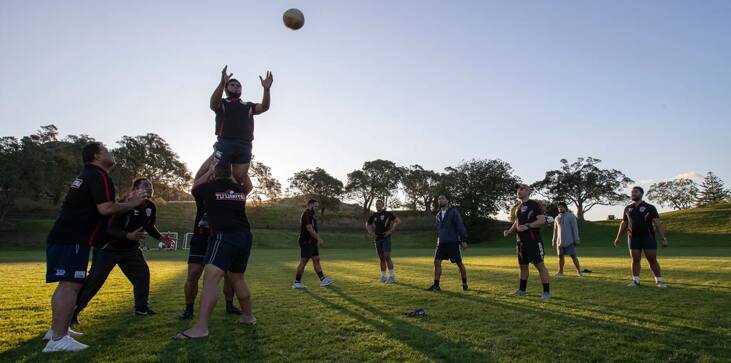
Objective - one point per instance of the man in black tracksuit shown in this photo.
(123, 248)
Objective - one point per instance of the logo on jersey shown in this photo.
(231, 196)
(523, 208)
(383, 217)
(630, 210)
(148, 211)
(77, 183)
(136, 212)
(60, 272)
(79, 274)
(642, 209)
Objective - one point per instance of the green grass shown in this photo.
(358, 319)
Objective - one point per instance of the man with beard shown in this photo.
(80, 224)
(530, 216)
(641, 220)
(451, 235)
(235, 124)
(381, 225)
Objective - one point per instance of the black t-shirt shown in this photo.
(528, 212)
(225, 206)
(235, 120)
(382, 222)
(200, 230)
(143, 216)
(639, 219)
(308, 217)
(79, 220)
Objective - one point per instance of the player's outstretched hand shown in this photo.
(267, 82)
(225, 76)
(136, 235)
(169, 241)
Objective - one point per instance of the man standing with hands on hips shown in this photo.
(381, 225)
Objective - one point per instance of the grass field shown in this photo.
(358, 319)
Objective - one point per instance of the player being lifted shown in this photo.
(235, 124)
(381, 225)
(641, 220)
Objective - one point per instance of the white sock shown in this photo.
(658, 280)
(390, 271)
(383, 273)
(636, 279)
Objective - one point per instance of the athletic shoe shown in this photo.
(382, 279)
(520, 293)
(661, 285)
(546, 295)
(144, 311)
(187, 314)
(465, 288)
(326, 282)
(71, 333)
(580, 275)
(298, 285)
(230, 309)
(391, 280)
(633, 284)
(65, 344)
(434, 288)
(559, 274)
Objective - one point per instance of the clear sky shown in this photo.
(644, 86)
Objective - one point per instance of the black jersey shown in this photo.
(381, 222)
(200, 224)
(225, 205)
(527, 212)
(639, 219)
(79, 220)
(143, 216)
(308, 217)
(235, 120)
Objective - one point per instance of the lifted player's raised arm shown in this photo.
(218, 92)
(266, 99)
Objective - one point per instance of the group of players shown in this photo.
(91, 216)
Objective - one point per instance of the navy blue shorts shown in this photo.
(309, 250)
(233, 151)
(66, 262)
(229, 251)
(451, 251)
(530, 252)
(198, 248)
(383, 245)
(647, 243)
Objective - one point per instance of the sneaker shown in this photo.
(144, 311)
(298, 285)
(580, 274)
(230, 309)
(546, 295)
(520, 292)
(661, 285)
(465, 288)
(559, 274)
(434, 288)
(65, 344)
(382, 279)
(391, 280)
(187, 314)
(71, 333)
(326, 282)
(633, 284)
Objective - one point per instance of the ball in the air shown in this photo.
(294, 19)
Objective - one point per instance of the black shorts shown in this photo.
(66, 262)
(229, 251)
(309, 250)
(530, 252)
(451, 251)
(383, 245)
(646, 243)
(198, 248)
(233, 151)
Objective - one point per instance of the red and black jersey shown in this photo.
(235, 120)
(308, 218)
(143, 216)
(225, 205)
(639, 219)
(79, 220)
(528, 212)
(381, 222)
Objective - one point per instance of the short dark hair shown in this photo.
(379, 200)
(88, 153)
(136, 183)
(232, 80)
(222, 171)
(443, 195)
(311, 201)
(563, 204)
(639, 188)
(521, 185)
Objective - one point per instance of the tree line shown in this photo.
(40, 166)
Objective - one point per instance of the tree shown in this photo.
(11, 181)
(377, 179)
(265, 184)
(150, 156)
(712, 191)
(678, 193)
(421, 187)
(584, 184)
(481, 188)
(317, 184)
